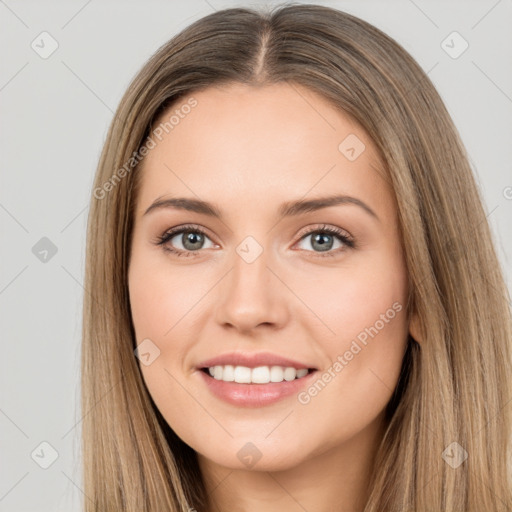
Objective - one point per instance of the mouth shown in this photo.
(259, 386)
(257, 375)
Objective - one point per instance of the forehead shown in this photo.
(253, 145)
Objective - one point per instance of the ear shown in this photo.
(415, 328)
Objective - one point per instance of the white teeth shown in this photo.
(290, 373)
(242, 374)
(217, 372)
(228, 373)
(276, 374)
(258, 375)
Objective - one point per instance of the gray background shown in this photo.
(55, 115)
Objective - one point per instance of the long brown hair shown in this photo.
(454, 385)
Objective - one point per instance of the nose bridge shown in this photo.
(250, 294)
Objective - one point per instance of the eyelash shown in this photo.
(168, 235)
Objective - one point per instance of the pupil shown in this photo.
(193, 238)
(321, 239)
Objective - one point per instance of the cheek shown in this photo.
(148, 303)
(161, 308)
(344, 301)
(166, 302)
(360, 321)
(156, 302)
(159, 296)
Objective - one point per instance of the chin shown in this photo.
(283, 461)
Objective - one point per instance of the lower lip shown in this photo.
(254, 395)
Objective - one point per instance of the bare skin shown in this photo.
(248, 150)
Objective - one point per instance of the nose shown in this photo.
(252, 295)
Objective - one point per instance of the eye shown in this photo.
(190, 237)
(323, 239)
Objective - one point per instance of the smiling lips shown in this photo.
(254, 379)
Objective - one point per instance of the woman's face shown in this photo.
(255, 282)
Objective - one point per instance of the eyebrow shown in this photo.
(288, 209)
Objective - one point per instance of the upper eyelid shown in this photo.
(324, 227)
(180, 229)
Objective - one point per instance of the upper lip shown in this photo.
(253, 360)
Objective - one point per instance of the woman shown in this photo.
(295, 303)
